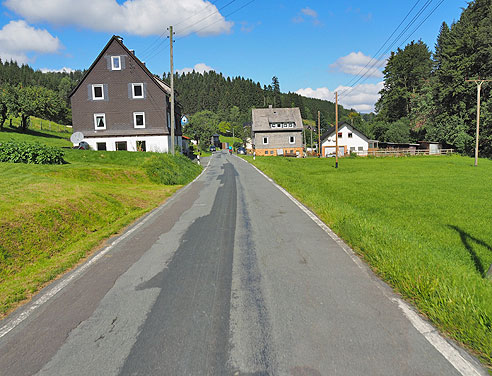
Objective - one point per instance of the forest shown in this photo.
(426, 95)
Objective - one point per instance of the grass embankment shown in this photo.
(423, 223)
(51, 217)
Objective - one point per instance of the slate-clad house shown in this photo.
(120, 105)
(277, 131)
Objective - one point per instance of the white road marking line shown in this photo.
(431, 334)
(65, 282)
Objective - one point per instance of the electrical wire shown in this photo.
(414, 19)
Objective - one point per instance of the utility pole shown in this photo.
(311, 128)
(336, 129)
(171, 35)
(479, 88)
(319, 134)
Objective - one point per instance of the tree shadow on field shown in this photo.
(467, 240)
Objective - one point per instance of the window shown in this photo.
(292, 140)
(101, 146)
(137, 91)
(98, 92)
(116, 62)
(361, 148)
(139, 119)
(141, 146)
(120, 145)
(352, 148)
(350, 135)
(99, 121)
(265, 140)
(266, 152)
(339, 134)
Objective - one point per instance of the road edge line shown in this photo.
(64, 281)
(431, 334)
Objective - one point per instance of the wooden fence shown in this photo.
(402, 152)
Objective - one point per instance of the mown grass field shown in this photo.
(51, 217)
(424, 224)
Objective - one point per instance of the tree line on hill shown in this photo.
(26, 92)
(219, 95)
(426, 96)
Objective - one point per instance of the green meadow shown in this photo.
(54, 216)
(424, 224)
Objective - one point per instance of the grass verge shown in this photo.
(422, 223)
(52, 216)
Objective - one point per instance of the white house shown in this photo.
(350, 140)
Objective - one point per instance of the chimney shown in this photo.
(133, 52)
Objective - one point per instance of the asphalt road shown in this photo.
(230, 277)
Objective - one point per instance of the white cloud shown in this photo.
(361, 98)
(138, 17)
(17, 38)
(356, 63)
(62, 70)
(199, 68)
(309, 12)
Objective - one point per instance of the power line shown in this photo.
(179, 23)
(189, 27)
(414, 19)
(387, 40)
(159, 51)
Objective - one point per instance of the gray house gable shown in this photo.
(120, 92)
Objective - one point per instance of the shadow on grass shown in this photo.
(30, 132)
(467, 239)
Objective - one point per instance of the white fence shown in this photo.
(401, 152)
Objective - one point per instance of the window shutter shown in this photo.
(123, 62)
(89, 92)
(130, 94)
(145, 90)
(106, 96)
(108, 61)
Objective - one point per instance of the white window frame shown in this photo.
(133, 91)
(292, 142)
(94, 92)
(265, 137)
(95, 122)
(112, 62)
(135, 114)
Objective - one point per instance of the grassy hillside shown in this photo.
(422, 223)
(53, 216)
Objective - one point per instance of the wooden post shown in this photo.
(479, 87)
(171, 35)
(336, 129)
(319, 134)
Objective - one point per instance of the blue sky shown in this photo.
(314, 47)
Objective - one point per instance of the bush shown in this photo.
(171, 170)
(23, 152)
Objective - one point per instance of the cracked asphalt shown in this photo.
(229, 277)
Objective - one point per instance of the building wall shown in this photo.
(118, 104)
(275, 152)
(354, 143)
(278, 140)
(158, 144)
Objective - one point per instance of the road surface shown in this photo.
(230, 277)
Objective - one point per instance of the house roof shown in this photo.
(262, 117)
(161, 84)
(331, 131)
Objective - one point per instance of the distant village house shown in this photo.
(350, 140)
(277, 131)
